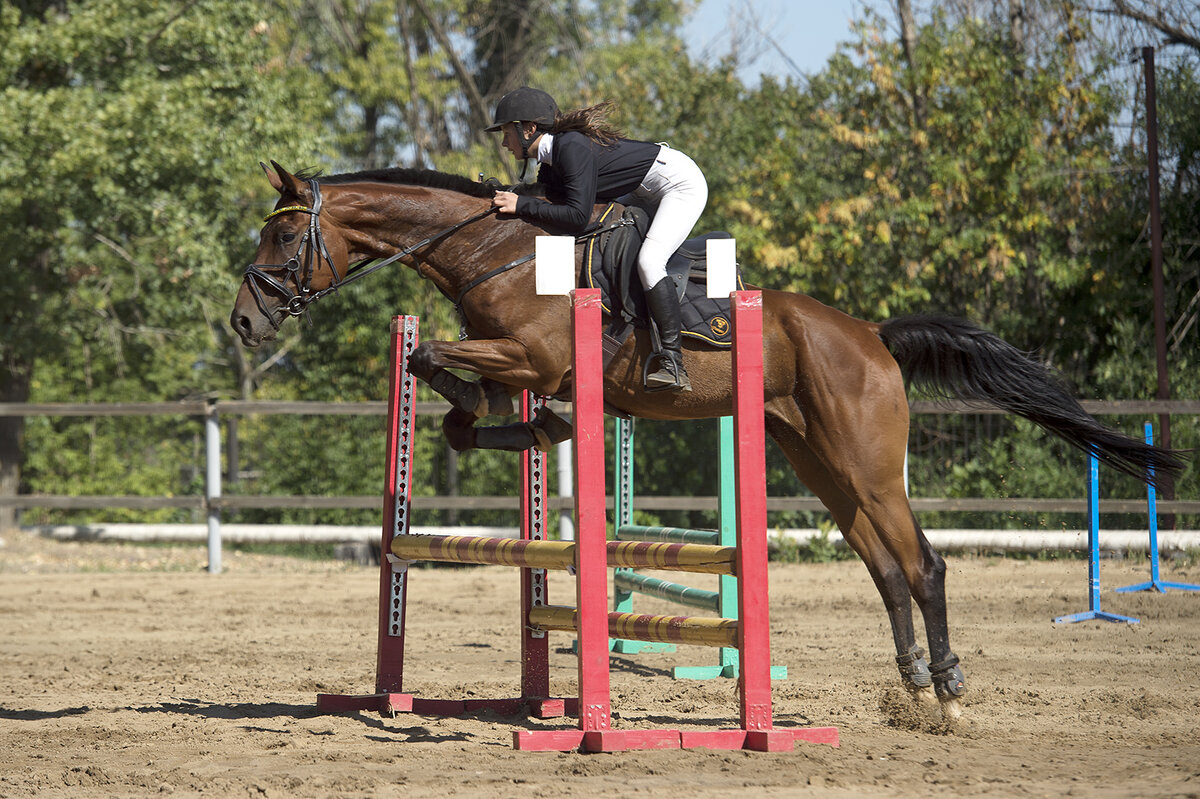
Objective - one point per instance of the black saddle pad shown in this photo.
(610, 264)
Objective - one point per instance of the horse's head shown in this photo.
(296, 261)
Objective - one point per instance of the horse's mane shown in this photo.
(410, 177)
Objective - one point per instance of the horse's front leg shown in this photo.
(504, 364)
(485, 397)
(505, 367)
(545, 430)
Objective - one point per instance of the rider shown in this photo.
(585, 159)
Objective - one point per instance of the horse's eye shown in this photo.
(287, 238)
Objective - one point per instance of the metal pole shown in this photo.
(1155, 583)
(566, 488)
(1152, 515)
(1093, 521)
(212, 485)
(1156, 265)
(452, 482)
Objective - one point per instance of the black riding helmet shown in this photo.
(525, 105)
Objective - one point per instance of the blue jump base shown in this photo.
(1154, 584)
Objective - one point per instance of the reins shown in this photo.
(312, 246)
(591, 234)
(357, 271)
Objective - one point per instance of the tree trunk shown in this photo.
(372, 158)
(479, 118)
(908, 37)
(1016, 23)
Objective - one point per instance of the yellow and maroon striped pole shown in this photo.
(538, 554)
(694, 630)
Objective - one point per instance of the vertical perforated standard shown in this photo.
(403, 469)
(536, 488)
(535, 644)
(624, 498)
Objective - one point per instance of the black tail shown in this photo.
(953, 358)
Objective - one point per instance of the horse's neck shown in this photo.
(468, 254)
(399, 220)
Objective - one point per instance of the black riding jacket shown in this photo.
(582, 173)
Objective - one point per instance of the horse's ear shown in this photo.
(276, 183)
(285, 182)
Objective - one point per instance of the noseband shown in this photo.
(299, 269)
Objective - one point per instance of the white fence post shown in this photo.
(566, 488)
(212, 485)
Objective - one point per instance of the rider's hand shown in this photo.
(506, 201)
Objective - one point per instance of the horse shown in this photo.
(835, 391)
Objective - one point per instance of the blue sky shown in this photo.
(806, 30)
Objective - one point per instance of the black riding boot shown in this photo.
(664, 308)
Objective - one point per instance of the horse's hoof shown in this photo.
(542, 441)
(481, 408)
(952, 709)
(551, 427)
(496, 400)
(925, 697)
(460, 439)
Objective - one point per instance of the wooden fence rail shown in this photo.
(379, 408)
(650, 503)
(213, 502)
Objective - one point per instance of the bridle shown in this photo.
(312, 251)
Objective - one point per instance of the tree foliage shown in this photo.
(125, 128)
(986, 162)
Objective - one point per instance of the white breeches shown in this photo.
(675, 192)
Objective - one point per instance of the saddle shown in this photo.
(610, 264)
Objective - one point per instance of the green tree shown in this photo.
(125, 128)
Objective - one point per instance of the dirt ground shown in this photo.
(127, 671)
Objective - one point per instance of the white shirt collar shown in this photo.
(544, 149)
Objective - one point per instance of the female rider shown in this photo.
(585, 160)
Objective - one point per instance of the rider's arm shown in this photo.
(574, 173)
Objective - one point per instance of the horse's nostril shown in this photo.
(240, 323)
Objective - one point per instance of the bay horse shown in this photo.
(834, 386)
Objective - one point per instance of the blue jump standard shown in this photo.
(1155, 584)
(1093, 503)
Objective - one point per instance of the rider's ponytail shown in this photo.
(591, 122)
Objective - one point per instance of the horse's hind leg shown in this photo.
(897, 599)
(886, 508)
(859, 533)
(925, 571)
